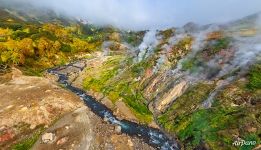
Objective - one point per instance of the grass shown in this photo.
(98, 81)
(136, 102)
(220, 44)
(218, 125)
(27, 143)
(255, 77)
(32, 71)
(184, 105)
(103, 80)
(191, 65)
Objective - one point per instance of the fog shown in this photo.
(149, 14)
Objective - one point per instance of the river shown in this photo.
(152, 136)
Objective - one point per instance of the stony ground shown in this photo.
(34, 108)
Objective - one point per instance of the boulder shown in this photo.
(48, 138)
(118, 129)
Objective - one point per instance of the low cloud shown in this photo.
(149, 14)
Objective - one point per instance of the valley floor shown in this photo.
(36, 109)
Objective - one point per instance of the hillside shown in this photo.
(200, 84)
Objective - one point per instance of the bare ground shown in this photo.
(29, 104)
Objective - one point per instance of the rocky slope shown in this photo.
(199, 83)
(36, 109)
(28, 106)
(196, 82)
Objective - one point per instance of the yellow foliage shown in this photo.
(26, 46)
(43, 46)
(12, 51)
(80, 45)
(56, 46)
(2, 47)
(57, 30)
(11, 45)
(26, 30)
(5, 32)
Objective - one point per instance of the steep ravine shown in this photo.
(152, 136)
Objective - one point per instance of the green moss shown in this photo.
(139, 69)
(27, 143)
(167, 33)
(188, 102)
(45, 34)
(133, 38)
(20, 35)
(136, 102)
(218, 125)
(255, 77)
(98, 84)
(204, 124)
(66, 48)
(220, 44)
(32, 71)
(13, 26)
(105, 79)
(250, 137)
(191, 65)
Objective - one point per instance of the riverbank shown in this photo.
(30, 107)
(152, 136)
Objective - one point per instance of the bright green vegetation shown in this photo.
(235, 113)
(210, 50)
(167, 33)
(124, 79)
(185, 105)
(96, 80)
(109, 80)
(191, 64)
(133, 38)
(28, 142)
(220, 44)
(255, 77)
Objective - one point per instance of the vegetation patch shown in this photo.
(255, 77)
(28, 142)
(107, 80)
(233, 115)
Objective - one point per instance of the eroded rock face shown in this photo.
(170, 96)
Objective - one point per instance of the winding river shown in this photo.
(152, 136)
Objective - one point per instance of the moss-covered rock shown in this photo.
(234, 114)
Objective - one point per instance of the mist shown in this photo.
(149, 14)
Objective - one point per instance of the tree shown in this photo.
(80, 45)
(56, 46)
(26, 46)
(44, 45)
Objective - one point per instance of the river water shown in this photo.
(152, 136)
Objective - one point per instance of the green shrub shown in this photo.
(20, 35)
(255, 77)
(220, 44)
(45, 34)
(188, 64)
(27, 143)
(66, 48)
(13, 26)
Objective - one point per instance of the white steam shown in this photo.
(160, 61)
(248, 49)
(149, 14)
(146, 48)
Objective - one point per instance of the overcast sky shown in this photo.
(145, 14)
